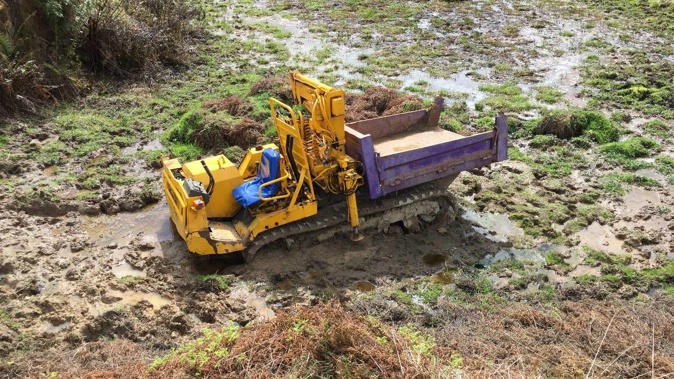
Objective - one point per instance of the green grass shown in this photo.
(549, 95)
(630, 148)
(555, 259)
(566, 124)
(222, 281)
(212, 345)
(659, 129)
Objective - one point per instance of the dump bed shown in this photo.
(408, 149)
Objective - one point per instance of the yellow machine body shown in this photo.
(199, 193)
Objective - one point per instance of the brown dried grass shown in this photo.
(573, 339)
(377, 102)
(234, 105)
(277, 87)
(217, 133)
(321, 341)
(577, 339)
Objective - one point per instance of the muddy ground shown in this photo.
(88, 253)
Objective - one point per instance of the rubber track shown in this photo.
(337, 214)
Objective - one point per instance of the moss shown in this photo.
(638, 82)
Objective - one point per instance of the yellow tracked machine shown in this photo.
(385, 170)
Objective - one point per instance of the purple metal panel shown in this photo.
(383, 126)
(432, 176)
(434, 157)
(501, 137)
(429, 151)
(360, 147)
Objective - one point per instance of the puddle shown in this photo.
(153, 221)
(99, 158)
(434, 259)
(652, 174)
(264, 313)
(495, 227)
(125, 269)
(53, 329)
(461, 82)
(536, 256)
(575, 259)
(51, 170)
(285, 285)
(444, 277)
(194, 318)
(555, 278)
(582, 270)
(155, 144)
(636, 199)
(364, 286)
(130, 298)
(600, 237)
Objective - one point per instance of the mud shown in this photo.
(75, 278)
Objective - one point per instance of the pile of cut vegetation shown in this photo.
(379, 101)
(323, 341)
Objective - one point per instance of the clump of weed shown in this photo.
(665, 164)
(659, 128)
(215, 130)
(641, 83)
(543, 141)
(630, 148)
(221, 281)
(548, 95)
(123, 39)
(568, 124)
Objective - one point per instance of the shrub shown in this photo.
(129, 37)
(43, 41)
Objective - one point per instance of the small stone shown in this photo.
(443, 230)
(112, 245)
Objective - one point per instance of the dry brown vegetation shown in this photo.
(588, 338)
(379, 101)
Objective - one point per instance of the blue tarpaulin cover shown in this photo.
(246, 194)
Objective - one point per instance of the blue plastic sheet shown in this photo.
(247, 193)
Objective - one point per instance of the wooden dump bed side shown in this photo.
(402, 151)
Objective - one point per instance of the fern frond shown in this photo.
(7, 46)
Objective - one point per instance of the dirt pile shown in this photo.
(275, 87)
(377, 102)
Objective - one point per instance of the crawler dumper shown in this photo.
(323, 174)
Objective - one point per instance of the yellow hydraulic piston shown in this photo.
(331, 168)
